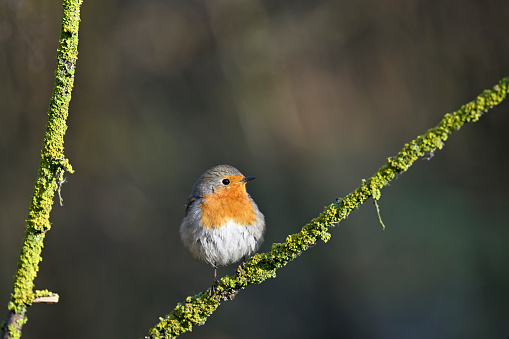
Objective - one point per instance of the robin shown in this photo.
(222, 223)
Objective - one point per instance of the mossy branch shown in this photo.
(50, 177)
(196, 309)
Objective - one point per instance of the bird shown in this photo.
(222, 223)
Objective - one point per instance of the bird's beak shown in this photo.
(246, 179)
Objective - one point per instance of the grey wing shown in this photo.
(191, 200)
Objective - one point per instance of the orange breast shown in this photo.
(231, 203)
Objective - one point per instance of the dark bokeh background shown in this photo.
(308, 96)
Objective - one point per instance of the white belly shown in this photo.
(224, 245)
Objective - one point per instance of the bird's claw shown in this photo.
(213, 289)
(240, 269)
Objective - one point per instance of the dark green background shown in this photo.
(308, 96)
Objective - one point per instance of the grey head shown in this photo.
(211, 180)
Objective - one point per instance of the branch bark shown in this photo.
(52, 167)
(196, 309)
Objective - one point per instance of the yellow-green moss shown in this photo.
(52, 167)
(194, 311)
(264, 265)
(44, 293)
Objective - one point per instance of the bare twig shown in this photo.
(53, 299)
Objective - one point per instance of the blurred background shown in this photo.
(310, 97)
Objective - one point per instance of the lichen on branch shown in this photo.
(50, 176)
(196, 309)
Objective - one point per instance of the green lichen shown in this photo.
(11, 328)
(264, 265)
(14, 332)
(52, 167)
(44, 293)
(185, 315)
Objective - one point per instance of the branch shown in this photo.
(196, 309)
(50, 177)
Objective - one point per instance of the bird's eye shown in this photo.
(225, 182)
